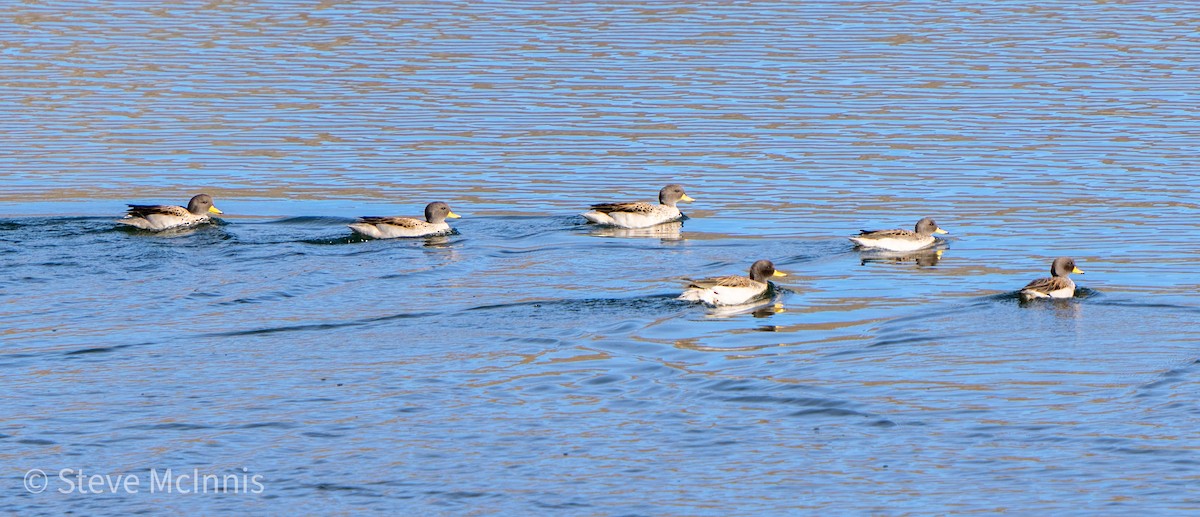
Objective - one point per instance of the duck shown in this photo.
(900, 240)
(733, 289)
(1058, 285)
(164, 217)
(640, 214)
(436, 214)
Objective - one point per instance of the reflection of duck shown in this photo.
(436, 214)
(900, 240)
(923, 258)
(667, 231)
(759, 309)
(162, 217)
(733, 289)
(640, 215)
(1058, 285)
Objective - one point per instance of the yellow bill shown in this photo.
(1077, 271)
(686, 198)
(779, 273)
(452, 215)
(215, 210)
(941, 231)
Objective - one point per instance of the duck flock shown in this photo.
(716, 291)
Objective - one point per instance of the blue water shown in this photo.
(531, 363)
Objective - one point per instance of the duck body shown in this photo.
(398, 227)
(900, 240)
(733, 289)
(632, 215)
(639, 214)
(165, 217)
(1053, 287)
(434, 223)
(1058, 285)
(894, 240)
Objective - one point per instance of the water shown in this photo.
(531, 363)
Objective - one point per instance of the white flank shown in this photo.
(721, 295)
(660, 214)
(389, 231)
(892, 244)
(163, 221)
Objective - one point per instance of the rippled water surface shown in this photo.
(531, 363)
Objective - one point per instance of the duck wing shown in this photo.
(723, 281)
(888, 234)
(145, 210)
(1049, 284)
(633, 208)
(403, 222)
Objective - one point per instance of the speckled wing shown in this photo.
(632, 208)
(403, 222)
(1049, 284)
(888, 234)
(145, 210)
(723, 281)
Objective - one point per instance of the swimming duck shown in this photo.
(436, 214)
(733, 289)
(163, 217)
(640, 215)
(1059, 285)
(900, 240)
